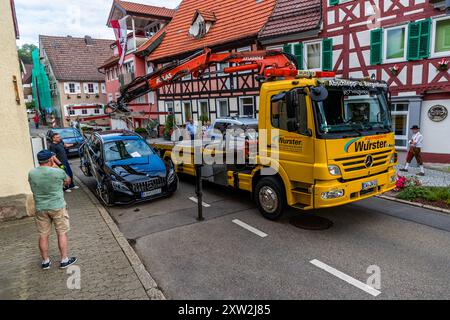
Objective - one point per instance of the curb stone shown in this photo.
(150, 286)
(425, 206)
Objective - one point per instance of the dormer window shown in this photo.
(201, 23)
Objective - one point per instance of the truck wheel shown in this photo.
(270, 198)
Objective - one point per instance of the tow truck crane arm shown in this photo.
(268, 64)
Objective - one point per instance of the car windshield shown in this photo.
(67, 133)
(353, 112)
(126, 149)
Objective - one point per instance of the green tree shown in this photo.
(25, 53)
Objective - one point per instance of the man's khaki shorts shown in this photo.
(44, 220)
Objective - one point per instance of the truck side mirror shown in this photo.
(319, 93)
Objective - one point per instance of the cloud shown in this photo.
(67, 17)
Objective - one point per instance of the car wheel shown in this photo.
(270, 198)
(105, 195)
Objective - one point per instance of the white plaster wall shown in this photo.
(436, 134)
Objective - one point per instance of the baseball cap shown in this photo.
(415, 127)
(44, 155)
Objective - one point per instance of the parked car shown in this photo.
(223, 124)
(126, 168)
(69, 136)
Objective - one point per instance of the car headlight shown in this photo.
(119, 186)
(394, 158)
(171, 176)
(333, 194)
(334, 170)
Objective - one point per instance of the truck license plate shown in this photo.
(369, 184)
(150, 193)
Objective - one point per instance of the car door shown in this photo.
(94, 157)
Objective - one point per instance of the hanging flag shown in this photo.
(120, 30)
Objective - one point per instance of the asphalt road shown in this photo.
(220, 259)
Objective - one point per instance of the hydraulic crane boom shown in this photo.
(269, 64)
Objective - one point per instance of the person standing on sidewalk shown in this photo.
(46, 183)
(58, 148)
(415, 150)
(36, 120)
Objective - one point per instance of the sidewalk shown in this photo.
(105, 271)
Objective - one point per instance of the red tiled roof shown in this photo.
(73, 59)
(208, 16)
(292, 16)
(132, 7)
(109, 62)
(236, 19)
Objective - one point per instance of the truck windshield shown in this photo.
(126, 149)
(348, 113)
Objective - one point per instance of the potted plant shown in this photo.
(394, 69)
(168, 129)
(443, 65)
(204, 118)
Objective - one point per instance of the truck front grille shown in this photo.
(358, 162)
(154, 183)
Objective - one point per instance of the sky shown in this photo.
(69, 17)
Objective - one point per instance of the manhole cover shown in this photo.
(311, 222)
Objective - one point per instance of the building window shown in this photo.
(169, 107)
(441, 32)
(395, 44)
(72, 87)
(187, 111)
(71, 112)
(400, 123)
(246, 106)
(84, 111)
(204, 108)
(222, 108)
(90, 88)
(129, 67)
(97, 111)
(313, 55)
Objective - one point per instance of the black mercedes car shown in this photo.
(126, 168)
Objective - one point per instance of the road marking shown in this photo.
(374, 292)
(250, 228)
(194, 199)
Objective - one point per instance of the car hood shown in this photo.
(137, 168)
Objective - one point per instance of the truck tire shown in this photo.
(270, 198)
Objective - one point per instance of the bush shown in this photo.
(404, 182)
(170, 123)
(432, 194)
(140, 130)
(204, 118)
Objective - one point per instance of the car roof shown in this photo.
(236, 120)
(115, 135)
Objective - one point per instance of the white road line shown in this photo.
(250, 228)
(194, 199)
(374, 292)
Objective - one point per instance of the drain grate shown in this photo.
(311, 222)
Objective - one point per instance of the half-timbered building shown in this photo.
(403, 42)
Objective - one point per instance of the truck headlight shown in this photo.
(333, 194)
(334, 170)
(394, 158)
(119, 186)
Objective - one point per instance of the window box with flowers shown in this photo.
(394, 70)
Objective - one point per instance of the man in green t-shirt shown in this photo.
(47, 183)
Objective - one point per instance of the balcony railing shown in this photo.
(126, 78)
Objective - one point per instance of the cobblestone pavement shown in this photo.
(105, 271)
(432, 178)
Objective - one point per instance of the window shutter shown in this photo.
(327, 54)
(96, 88)
(424, 41)
(334, 2)
(413, 40)
(287, 48)
(298, 53)
(103, 88)
(66, 88)
(376, 39)
(77, 88)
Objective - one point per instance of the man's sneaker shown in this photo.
(46, 266)
(404, 170)
(68, 190)
(421, 174)
(69, 262)
(75, 188)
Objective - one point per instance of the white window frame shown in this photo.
(200, 109)
(241, 106)
(129, 66)
(305, 54)
(88, 88)
(401, 113)
(183, 111)
(219, 113)
(405, 45)
(434, 54)
(74, 88)
(166, 106)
